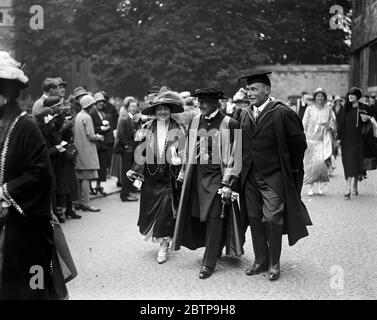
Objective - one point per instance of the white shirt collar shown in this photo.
(213, 114)
(45, 95)
(131, 115)
(261, 108)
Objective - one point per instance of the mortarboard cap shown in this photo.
(261, 77)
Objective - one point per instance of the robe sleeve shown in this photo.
(24, 189)
(296, 140)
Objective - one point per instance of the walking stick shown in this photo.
(225, 202)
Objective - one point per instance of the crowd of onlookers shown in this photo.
(90, 137)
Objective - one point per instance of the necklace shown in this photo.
(161, 156)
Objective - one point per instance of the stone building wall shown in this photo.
(288, 80)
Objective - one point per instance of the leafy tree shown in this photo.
(134, 44)
(48, 51)
(298, 32)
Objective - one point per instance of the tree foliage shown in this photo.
(134, 44)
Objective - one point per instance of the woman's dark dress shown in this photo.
(159, 194)
(350, 134)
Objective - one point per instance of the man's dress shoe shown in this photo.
(274, 272)
(256, 269)
(205, 272)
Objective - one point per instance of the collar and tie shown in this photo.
(256, 112)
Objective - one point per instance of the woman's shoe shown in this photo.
(72, 214)
(78, 206)
(162, 255)
(92, 192)
(90, 208)
(355, 192)
(100, 191)
(347, 195)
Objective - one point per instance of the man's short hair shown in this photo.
(49, 83)
(304, 93)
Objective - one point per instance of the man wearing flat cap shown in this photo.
(50, 87)
(210, 166)
(273, 146)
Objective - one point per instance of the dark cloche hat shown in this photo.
(261, 77)
(356, 91)
(154, 89)
(167, 97)
(209, 92)
(79, 92)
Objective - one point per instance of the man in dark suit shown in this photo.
(273, 146)
(126, 145)
(302, 104)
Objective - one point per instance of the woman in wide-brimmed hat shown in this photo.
(26, 232)
(352, 122)
(157, 165)
(319, 122)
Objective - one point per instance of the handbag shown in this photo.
(71, 151)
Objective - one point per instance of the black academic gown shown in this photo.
(275, 146)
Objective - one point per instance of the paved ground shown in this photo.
(336, 261)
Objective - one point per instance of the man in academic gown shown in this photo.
(205, 171)
(273, 146)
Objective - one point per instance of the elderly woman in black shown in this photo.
(351, 120)
(158, 166)
(26, 232)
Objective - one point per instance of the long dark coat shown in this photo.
(65, 166)
(280, 164)
(27, 239)
(160, 192)
(356, 140)
(190, 232)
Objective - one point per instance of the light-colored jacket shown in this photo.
(85, 142)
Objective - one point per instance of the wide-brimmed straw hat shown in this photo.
(10, 70)
(319, 90)
(166, 97)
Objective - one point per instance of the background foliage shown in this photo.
(134, 44)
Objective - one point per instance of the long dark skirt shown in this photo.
(156, 205)
(28, 243)
(66, 179)
(116, 166)
(102, 158)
